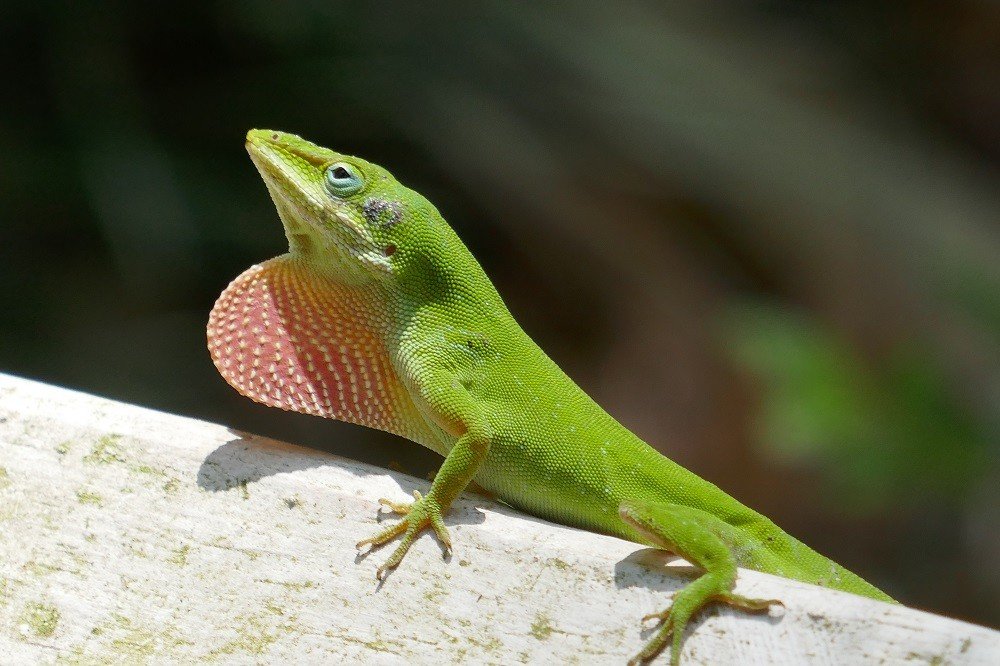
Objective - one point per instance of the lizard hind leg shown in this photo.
(694, 535)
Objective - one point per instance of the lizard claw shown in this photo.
(662, 617)
(418, 515)
(399, 507)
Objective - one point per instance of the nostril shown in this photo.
(274, 137)
(390, 250)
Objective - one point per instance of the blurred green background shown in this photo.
(764, 235)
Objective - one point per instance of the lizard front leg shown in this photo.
(457, 470)
(700, 538)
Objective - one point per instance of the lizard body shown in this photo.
(380, 316)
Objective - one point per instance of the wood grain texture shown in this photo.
(132, 536)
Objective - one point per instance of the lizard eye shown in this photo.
(342, 179)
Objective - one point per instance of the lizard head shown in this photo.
(342, 214)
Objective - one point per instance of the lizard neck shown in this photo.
(445, 280)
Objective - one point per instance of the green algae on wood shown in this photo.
(179, 556)
(41, 618)
(105, 451)
(87, 497)
(541, 628)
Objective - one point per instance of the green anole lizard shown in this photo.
(379, 315)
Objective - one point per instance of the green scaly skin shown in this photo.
(379, 315)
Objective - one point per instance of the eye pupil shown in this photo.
(341, 173)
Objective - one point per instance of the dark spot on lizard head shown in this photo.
(382, 211)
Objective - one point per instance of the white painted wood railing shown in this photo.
(132, 536)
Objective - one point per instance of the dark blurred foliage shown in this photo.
(763, 234)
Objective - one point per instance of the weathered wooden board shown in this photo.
(129, 535)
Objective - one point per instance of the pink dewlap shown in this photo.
(286, 337)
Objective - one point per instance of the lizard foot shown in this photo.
(674, 619)
(418, 515)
